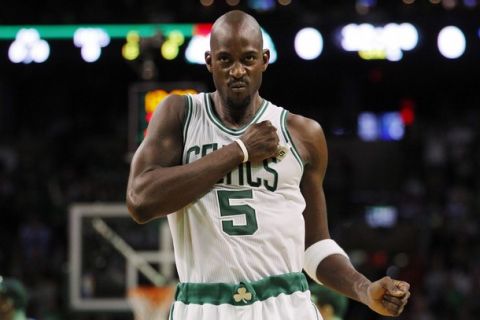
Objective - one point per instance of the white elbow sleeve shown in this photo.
(317, 252)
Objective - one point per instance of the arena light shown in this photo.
(308, 43)
(387, 126)
(392, 126)
(195, 52)
(206, 3)
(381, 216)
(368, 128)
(261, 5)
(407, 112)
(169, 50)
(407, 36)
(171, 46)
(451, 42)
(28, 47)
(364, 6)
(470, 3)
(91, 41)
(131, 49)
(382, 42)
(177, 37)
(449, 4)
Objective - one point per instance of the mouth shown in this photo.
(238, 86)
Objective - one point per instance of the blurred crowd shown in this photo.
(434, 244)
(36, 189)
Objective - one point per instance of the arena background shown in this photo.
(407, 208)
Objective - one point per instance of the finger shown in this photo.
(393, 300)
(402, 285)
(400, 304)
(392, 308)
(405, 296)
(391, 287)
(405, 299)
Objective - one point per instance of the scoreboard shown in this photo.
(144, 98)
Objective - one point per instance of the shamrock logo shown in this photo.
(242, 295)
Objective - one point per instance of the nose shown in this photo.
(237, 71)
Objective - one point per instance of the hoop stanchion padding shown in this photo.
(151, 303)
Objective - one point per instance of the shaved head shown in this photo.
(233, 22)
(237, 60)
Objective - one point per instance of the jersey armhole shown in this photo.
(288, 138)
(187, 117)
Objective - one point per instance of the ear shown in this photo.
(265, 58)
(208, 60)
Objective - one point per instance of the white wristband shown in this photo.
(317, 252)
(244, 149)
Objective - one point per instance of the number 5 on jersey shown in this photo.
(228, 210)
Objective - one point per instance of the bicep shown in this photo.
(163, 144)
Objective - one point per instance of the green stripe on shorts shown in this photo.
(243, 293)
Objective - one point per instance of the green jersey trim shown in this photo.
(231, 131)
(286, 135)
(316, 311)
(170, 315)
(243, 293)
(188, 116)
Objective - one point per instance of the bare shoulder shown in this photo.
(163, 142)
(308, 137)
(170, 110)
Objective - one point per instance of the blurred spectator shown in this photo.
(332, 305)
(13, 299)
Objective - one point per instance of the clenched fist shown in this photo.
(387, 296)
(261, 141)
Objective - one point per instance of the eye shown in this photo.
(250, 58)
(223, 59)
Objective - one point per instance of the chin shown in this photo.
(239, 102)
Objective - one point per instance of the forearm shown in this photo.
(162, 190)
(337, 273)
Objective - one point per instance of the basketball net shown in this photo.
(151, 303)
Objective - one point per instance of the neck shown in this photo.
(235, 116)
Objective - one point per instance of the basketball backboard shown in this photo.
(111, 254)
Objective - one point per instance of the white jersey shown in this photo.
(250, 224)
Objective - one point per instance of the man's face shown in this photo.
(237, 61)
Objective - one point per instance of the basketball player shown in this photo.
(240, 181)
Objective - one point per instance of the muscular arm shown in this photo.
(158, 183)
(336, 271)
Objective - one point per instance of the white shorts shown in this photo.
(283, 297)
